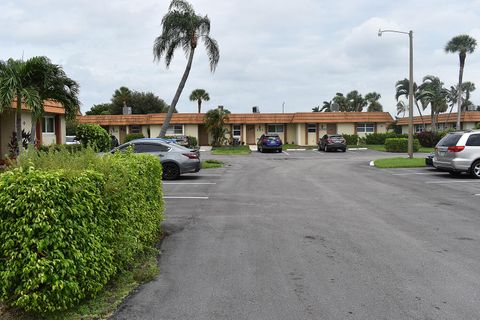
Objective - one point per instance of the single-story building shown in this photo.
(50, 129)
(445, 121)
(302, 128)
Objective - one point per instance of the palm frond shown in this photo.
(213, 52)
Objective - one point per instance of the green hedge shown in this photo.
(94, 136)
(379, 138)
(70, 222)
(352, 139)
(72, 148)
(400, 145)
(133, 136)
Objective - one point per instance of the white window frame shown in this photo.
(419, 128)
(45, 125)
(237, 130)
(175, 130)
(363, 127)
(278, 128)
(311, 126)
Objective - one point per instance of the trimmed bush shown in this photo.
(94, 136)
(477, 126)
(352, 139)
(192, 142)
(70, 222)
(400, 145)
(133, 136)
(53, 231)
(72, 148)
(379, 138)
(428, 139)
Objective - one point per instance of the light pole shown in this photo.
(410, 90)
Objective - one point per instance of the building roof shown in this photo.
(240, 118)
(48, 106)
(468, 116)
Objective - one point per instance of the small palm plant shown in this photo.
(183, 28)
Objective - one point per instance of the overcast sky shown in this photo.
(299, 52)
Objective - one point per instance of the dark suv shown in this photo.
(332, 142)
(269, 141)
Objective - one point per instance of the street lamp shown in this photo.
(410, 90)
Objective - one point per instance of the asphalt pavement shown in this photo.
(315, 235)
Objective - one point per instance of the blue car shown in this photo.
(269, 142)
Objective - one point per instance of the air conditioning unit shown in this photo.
(255, 109)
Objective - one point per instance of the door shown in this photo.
(251, 134)
(331, 128)
(202, 136)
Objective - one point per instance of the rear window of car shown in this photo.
(449, 140)
(473, 140)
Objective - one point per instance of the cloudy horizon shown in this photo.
(298, 53)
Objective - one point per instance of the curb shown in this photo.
(372, 163)
(356, 149)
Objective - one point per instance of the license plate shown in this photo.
(441, 153)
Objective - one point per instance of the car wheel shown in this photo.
(344, 150)
(475, 171)
(455, 173)
(261, 149)
(171, 171)
(325, 148)
(319, 148)
(279, 150)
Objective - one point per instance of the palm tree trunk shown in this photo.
(19, 123)
(181, 85)
(199, 105)
(459, 98)
(434, 124)
(421, 116)
(33, 132)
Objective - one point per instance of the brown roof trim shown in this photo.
(241, 118)
(468, 116)
(48, 106)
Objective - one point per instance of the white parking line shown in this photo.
(189, 183)
(447, 182)
(478, 194)
(410, 173)
(199, 198)
(286, 153)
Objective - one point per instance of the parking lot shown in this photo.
(315, 235)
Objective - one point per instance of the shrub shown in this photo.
(400, 145)
(477, 126)
(133, 136)
(428, 139)
(379, 138)
(69, 222)
(72, 148)
(192, 142)
(94, 136)
(352, 139)
(53, 232)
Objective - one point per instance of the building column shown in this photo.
(306, 134)
(299, 135)
(244, 133)
(285, 133)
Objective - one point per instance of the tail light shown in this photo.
(190, 155)
(455, 148)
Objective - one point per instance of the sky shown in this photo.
(273, 53)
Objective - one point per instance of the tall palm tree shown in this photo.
(373, 104)
(215, 120)
(121, 96)
(434, 94)
(462, 44)
(316, 109)
(182, 27)
(30, 83)
(402, 107)
(327, 106)
(341, 101)
(467, 87)
(199, 95)
(355, 101)
(402, 88)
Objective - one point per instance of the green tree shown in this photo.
(100, 109)
(433, 94)
(462, 45)
(147, 102)
(402, 88)
(355, 101)
(121, 99)
(215, 120)
(341, 101)
(453, 93)
(31, 82)
(316, 109)
(327, 106)
(199, 95)
(402, 107)
(183, 28)
(373, 104)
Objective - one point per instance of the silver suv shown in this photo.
(459, 152)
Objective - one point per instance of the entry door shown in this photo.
(202, 136)
(251, 134)
(331, 128)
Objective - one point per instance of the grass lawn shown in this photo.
(211, 163)
(296, 146)
(236, 150)
(399, 162)
(381, 147)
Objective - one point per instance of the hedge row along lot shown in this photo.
(71, 222)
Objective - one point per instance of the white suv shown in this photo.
(459, 152)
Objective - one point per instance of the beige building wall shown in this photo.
(469, 125)
(7, 126)
(191, 130)
(144, 130)
(155, 130)
(300, 134)
(115, 131)
(346, 128)
(259, 130)
(382, 128)
(291, 133)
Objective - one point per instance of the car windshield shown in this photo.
(272, 138)
(449, 140)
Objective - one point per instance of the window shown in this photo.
(365, 127)
(175, 129)
(312, 127)
(275, 128)
(148, 148)
(48, 125)
(419, 128)
(135, 129)
(237, 130)
(473, 140)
